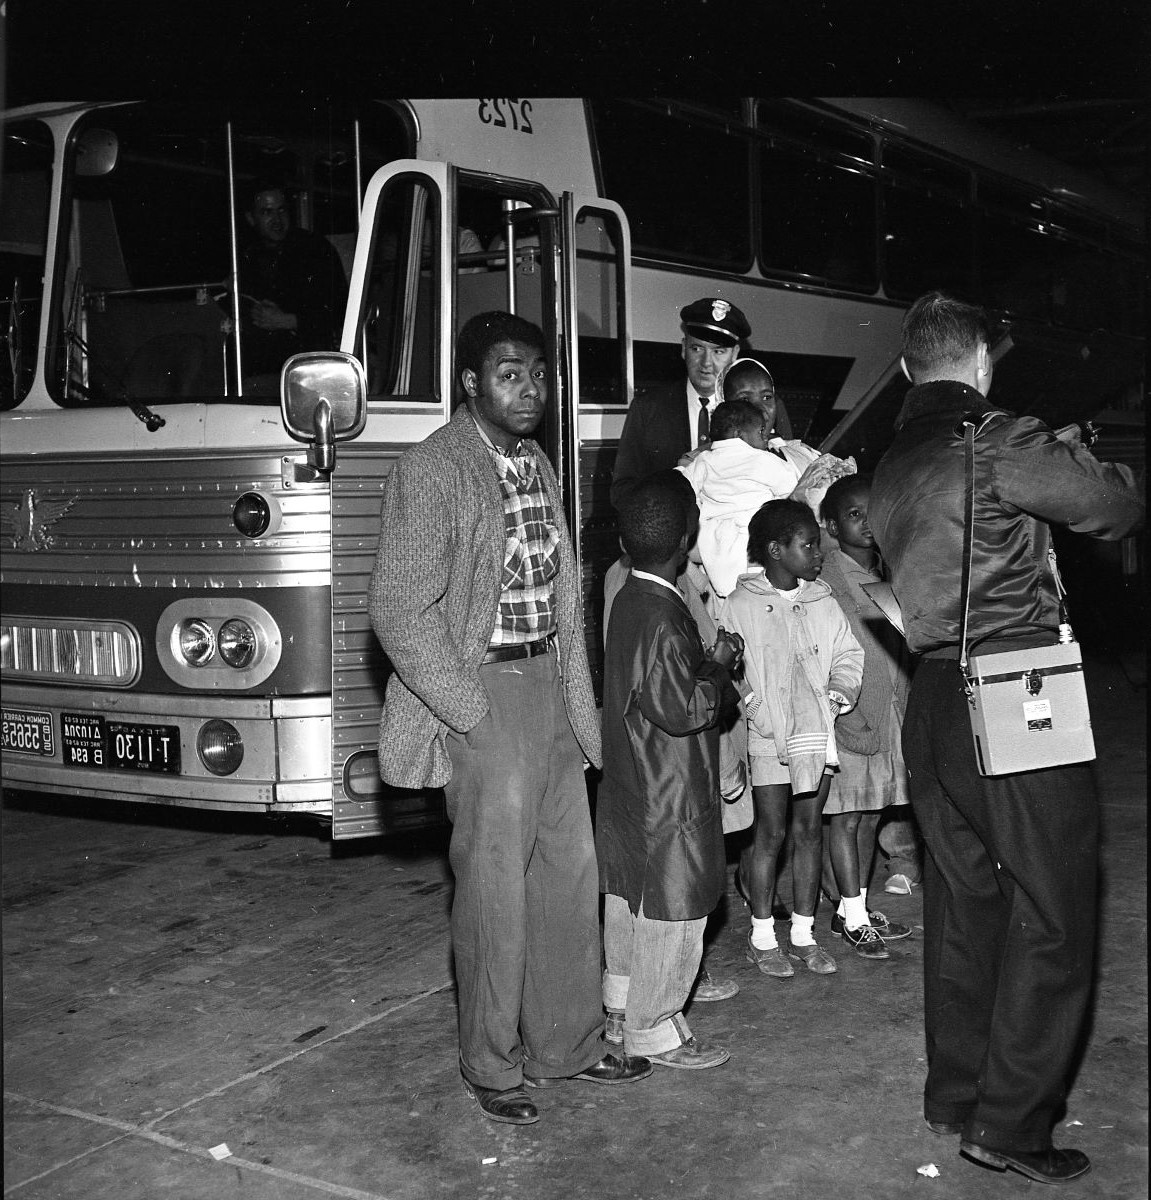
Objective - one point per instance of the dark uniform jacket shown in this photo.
(659, 834)
(1025, 477)
(655, 437)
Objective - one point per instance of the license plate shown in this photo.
(28, 732)
(89, 740)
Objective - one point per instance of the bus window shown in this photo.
(147, 258)
(816, 200)
(682, 179)
(927, 228)
(1015, 255)
(24, 195)
(599, 254)
(400, 323)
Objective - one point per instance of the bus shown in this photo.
(187, 544)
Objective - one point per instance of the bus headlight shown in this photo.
(220, 746)
(197, 641)
(237, 643)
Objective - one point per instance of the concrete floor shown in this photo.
(174, 982)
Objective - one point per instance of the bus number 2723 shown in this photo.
(518, 119)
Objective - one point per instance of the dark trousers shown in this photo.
(525, 918)
(1009, 910)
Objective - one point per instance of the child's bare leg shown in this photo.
(757, 863)
(867, 839)
(844, 838)
(807, 857)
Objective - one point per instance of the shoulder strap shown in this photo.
(968, 426)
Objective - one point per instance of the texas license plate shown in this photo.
(27, 731)
(89, 740)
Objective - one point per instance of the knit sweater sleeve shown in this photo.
(406, 594)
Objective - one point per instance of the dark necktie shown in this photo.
(778, 452)
(703, 424)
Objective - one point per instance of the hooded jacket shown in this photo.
(795, 652)
(1025, 477)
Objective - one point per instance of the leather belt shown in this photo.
(497, 654)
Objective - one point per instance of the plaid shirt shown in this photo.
(526, 610)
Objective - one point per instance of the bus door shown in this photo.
(597, 299)
(436, 246)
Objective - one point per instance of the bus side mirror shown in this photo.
(323, 400)
(97, 152)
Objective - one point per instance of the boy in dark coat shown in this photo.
(659, 834)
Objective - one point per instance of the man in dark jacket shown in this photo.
(1010, 875)
(659, 830)
(293, 290)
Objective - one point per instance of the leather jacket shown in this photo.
(1025, 478)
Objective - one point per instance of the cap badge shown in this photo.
(719, 309)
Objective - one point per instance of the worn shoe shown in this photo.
(511, 1106)
(1044, 1166)
(708, 990)
(899, 885)
(945, 1128)
(890, 931)
(692, 1056)
(612, 1068)
(866, 942)
(613, 1028)
(771, 962)
(814, 957)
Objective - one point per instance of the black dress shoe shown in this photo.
(510, 1106)
(612, 1068)
(945, 1128)
(1044, 1166)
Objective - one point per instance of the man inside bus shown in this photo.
(476, 599)
(292, 287)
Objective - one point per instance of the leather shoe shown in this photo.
(708, 990)
(612, 1068)
(771, 962)
(1044, 1166)
(692, 1056)
(890, 931)
(945, 1128)
(814, 957)
(866, 941)
(510, 1106)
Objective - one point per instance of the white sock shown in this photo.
(801, 928)
(863, 896)
(854, 912)
(763, 933)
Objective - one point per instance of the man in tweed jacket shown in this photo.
(476, 600)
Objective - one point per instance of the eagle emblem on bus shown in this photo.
(28, 522)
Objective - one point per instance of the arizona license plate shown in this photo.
(89, 740)
(26, 731)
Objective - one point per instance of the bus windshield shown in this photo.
(207, 252)
(24, 198)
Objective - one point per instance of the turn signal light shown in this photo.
(220, 746)
(251, 514)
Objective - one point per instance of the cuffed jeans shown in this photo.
(651, 966)
(1009, 910)
(525, 918)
